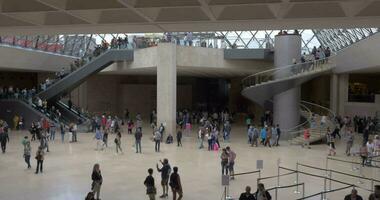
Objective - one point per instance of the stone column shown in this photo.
(167, 86)
(286, 104)
(334, 93)
(342, 93)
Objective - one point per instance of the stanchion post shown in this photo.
(275, 194)
(225, 192)
(303, 190)
(259, 173)
(372, 184)
(330, 180)
(327, 164)
(360, 174)
(278, 175)
(297, 176)
(324, 189)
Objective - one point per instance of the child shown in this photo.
(130, 126)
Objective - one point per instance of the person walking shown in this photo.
(231, 161)
(118, 143)
(255, 136)
(4, 138)
(201, 136)
(105, 138)
(330, 142)
(62, 127)
(138, 136)
(150, 186)
(157, 140)
(74, 131)
(268, 137)
(263, 135)
(247, 195)
(27, 151)
(175, 184)
(224, 161)
(250, 133)
(52, 131)
(179, 137)
(97, 180)
(40, 159)
(98, 137)
(165, 172)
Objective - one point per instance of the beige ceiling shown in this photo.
(105, 16)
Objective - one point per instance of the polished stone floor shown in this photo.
(67, 169)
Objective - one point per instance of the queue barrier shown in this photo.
(323, 193)
(225, 194)
(287, 186)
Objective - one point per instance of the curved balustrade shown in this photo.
(289, 71)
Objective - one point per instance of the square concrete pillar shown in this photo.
(167, 86)
(334, 93)
(342, 93)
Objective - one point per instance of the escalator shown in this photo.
(74, 79)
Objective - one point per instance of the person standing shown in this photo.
(175, 184)
(268, 137)
(261, 193)
(278, 130)
(138, 136)
(263, 135)
(201, 136)
(118, 142)
(149, 184)
(376, 194)
(227, 131)
(250, 133)
(179, 137)
(4, 138)
(157, 140)
(165, 172)
(74, 130)
(349, 142)
(353, 196)
(255, 136)
(27, 150)
(224, 161)
(247, 195)
(40, 159)
(97, 180)
(231, 161)
(52, 131)
(306, 137)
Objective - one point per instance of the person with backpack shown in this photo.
(118, 142)
(165, 172)
(138, 136)
(175, 184)
(157, 140)
(150, 186)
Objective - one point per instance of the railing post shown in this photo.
(327, 163)
(297, 176)
(372, 184)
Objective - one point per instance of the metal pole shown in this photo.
(327, 163)
(303, 190)
(225, 192)
(372, 184)
(276, 193)
(324, 189)
(330, 179)
(278, 175)
(259, 173)
(297, 176)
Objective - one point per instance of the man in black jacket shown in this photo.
(247, 195)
